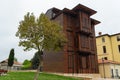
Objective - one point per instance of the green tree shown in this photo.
(40, 34)
(11, 58)
(35, 61)
(26, 64)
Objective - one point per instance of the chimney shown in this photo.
(100, 33)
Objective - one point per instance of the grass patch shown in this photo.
(30, 76)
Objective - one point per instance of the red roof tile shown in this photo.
(108, 61)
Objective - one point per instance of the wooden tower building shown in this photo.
(79, 55)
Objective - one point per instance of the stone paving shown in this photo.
(86, 76)
(104, 79)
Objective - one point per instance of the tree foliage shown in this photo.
(40, 34)
(35, 61)
(26, 64)
(11, 58)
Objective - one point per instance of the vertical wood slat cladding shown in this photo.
(85, 22)
(70, 62)
(53, 62)
(66, 70)
(79, 54)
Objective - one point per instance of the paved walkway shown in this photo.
(104, 79)
(86, 76)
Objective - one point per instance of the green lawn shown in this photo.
(30, 76)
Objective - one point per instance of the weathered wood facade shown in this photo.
(79, 55)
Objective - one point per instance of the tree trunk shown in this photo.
(38, 69)
(37, 72)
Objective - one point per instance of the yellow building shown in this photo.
(109, 69)
(108, 49)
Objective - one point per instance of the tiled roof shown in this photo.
(107, 35)
(108, 61)
(15, 62)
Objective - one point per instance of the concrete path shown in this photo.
(104, 79)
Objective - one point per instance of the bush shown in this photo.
(26, 65)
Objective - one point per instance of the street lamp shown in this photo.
(103, 67)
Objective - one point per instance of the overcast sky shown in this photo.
(13, 11)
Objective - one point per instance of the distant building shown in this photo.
(109, 69)
(79, 55)
(4, 65)
(108, 49)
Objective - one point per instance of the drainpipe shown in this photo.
(112, 56)
(103, 67)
